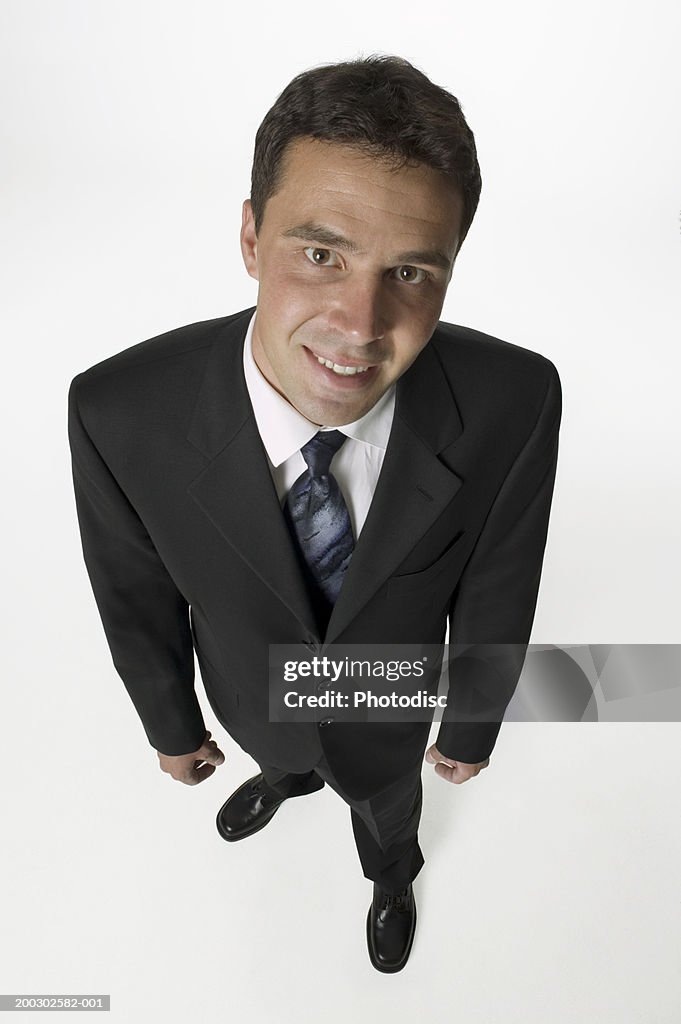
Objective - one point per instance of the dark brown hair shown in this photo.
(381, 104)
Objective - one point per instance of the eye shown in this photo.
(321, 257)
(411, 275)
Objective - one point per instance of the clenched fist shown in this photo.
(451, 770)
(193, 768)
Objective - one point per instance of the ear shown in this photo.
(249, 240)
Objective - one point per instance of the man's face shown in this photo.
(353, 260)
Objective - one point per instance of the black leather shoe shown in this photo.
(248, 809)
(391, 924)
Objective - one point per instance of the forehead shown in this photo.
(362, 192)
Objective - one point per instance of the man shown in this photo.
(333, 466)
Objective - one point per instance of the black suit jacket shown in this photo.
(186, 547)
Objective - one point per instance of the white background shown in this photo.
(551, 878)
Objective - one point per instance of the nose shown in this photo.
(359, 313)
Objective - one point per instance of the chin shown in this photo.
(332, 413)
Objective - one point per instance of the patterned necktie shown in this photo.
(319, 520)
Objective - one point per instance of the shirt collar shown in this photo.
(284, 430)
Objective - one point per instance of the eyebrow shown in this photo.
(313, 232)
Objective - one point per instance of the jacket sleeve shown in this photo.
(145, 618)
(493, 606)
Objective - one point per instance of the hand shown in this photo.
(453, 771)
(188, 768)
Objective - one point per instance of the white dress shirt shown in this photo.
(284, 431)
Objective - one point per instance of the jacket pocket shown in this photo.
(430, 577)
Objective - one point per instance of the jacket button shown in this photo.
(325, 721)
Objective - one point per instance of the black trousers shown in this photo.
(385, 827)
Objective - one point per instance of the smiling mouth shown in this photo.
(341, 369)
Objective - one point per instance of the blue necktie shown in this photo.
(319, 520)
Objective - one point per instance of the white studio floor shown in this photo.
(550, 890)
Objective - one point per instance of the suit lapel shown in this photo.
(236, 490)
(414, 486)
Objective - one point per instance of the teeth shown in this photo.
(345, 371)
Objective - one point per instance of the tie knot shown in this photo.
(321, 449)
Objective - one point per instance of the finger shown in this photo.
(196, 774)
(458, 774)
(433, 756)
(446, 772)
(452, 774)
(213, 754)
(204, 771)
